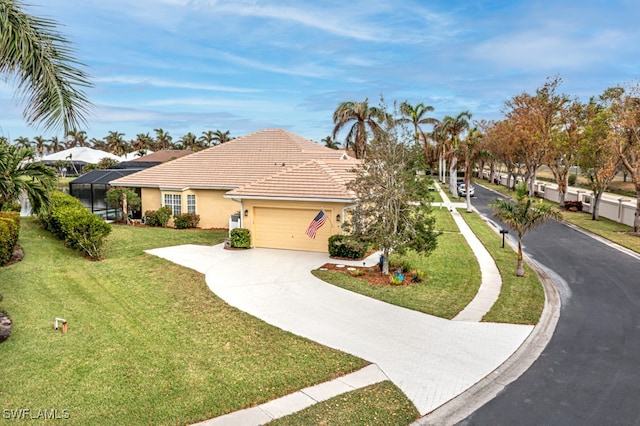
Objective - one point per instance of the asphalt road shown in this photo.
(589, 374)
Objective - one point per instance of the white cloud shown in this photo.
(136, 80)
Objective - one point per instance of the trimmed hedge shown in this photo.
(347, 246)
(573, 205)
(240, 238)
(186, 220)
(80, 229)
(9, 232)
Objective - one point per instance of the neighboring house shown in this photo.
(276, 180)
(91, 187)
(76, 158)
(152, 159)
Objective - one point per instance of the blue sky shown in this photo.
(242, 65)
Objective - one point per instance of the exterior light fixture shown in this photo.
(246, 213)
(338, 217)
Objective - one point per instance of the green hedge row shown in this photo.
(80, 229)
(9, 232)
(347, 246)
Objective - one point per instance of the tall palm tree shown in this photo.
(470, 148)
(221, 137)
(20, 174)
(360, 116)
(40, 60)
(522, 215)
(452, 128)
(416, 117)
(100, 144)
(142, 143)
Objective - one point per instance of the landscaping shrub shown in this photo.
(80, 229)
(186, 220)
(9, 231)
(347, 246)
(573, 205)
(572, 180)
(240, 238)
(11, 206)
(151, 218)
(158, 217)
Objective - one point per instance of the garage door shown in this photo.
(285, 229)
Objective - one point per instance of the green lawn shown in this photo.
(379, 404)
(521, 298)
(444, 220)
(436, 197)
(148, 342)
(452, 278)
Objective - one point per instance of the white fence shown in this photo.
(617, 208)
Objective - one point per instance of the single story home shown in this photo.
(277, 182)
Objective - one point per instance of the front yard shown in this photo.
(148, 343)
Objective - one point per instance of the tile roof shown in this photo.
(233, 164)
(314, 179)
(164, 155)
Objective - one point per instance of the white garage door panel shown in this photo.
(285, 229)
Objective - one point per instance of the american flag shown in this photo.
(315, 224)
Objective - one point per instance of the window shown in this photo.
(191, 204)
(174, 201)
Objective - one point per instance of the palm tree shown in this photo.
(55, 144)
(20, 174)
(40, 59)
(207, 139)
(23, 142)
(221, 137)
(116, 143)
(415, 116)
(98, 144)
(163, 140)
(361, 117)
(142, 143)
(189, 141)
(40, 144)
(76, 138)
(330, 142)
(522, 215)
(452, 129)
(470, 149)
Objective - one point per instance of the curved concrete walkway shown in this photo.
(491, 282)
(430, 359)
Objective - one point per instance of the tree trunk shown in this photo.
(636, 221)
(596, 205)
(453, 177)
(385, 261)
(520, 267)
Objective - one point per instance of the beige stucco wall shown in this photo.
(213, 208)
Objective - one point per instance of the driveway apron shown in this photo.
(431, 359)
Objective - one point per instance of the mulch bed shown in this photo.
(370, 274)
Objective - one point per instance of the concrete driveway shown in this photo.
(431, 359)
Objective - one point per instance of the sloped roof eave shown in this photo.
(284, 198)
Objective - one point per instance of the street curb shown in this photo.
(462, 406)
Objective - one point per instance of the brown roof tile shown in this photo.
(232, 164)
(164, 155)
(314, 179)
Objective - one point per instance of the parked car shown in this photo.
(462, 190)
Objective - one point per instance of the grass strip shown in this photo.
(452, 279)
(379, 404)
(521, 298)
